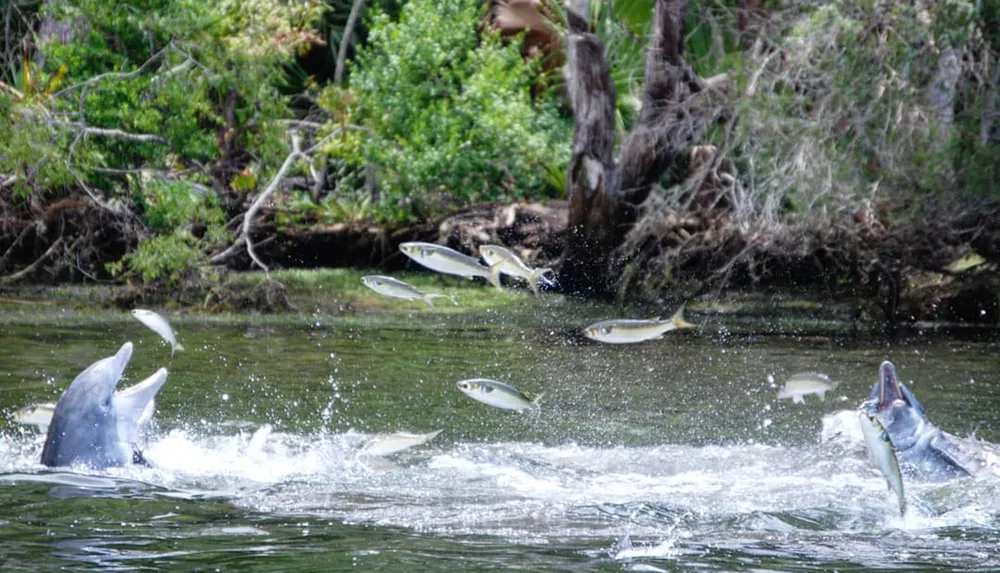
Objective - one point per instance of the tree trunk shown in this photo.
(59, 31)
(592, 179)
(345, 41)
(605, 197)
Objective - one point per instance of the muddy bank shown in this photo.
(873, 272)
(896, 274)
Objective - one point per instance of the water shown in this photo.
(672, 455)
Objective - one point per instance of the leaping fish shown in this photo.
(39, 415)
(444, 260)
(502, 260)
(882, 454)
(497, 394)
(624, 331)
(160, 326)
(389, 286)
(804, 383)
(389, 444)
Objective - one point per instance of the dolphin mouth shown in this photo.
(888, 386)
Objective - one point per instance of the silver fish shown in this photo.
(498, 394)
(804, 383)
(444, 260)
(389, 286)
(882, 454)
(624, 331)
(159, 325)
(39, 415)
(388, 444)
(502, 260)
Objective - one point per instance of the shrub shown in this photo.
(446, 116)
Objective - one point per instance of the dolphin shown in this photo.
(94, 425)
(924, 451)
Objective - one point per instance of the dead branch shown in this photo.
(105, 132)
(33, 266)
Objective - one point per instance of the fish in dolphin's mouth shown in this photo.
(889, 392)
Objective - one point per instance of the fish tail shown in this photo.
(175, 348)
(536, 403)
(429, 298)
(538, 278)
(678, 318)
(494, 276)
(798, 399)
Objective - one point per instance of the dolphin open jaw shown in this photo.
(889, 392)
(94, 425)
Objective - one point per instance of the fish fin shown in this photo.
(798, 399)
(494, 276)
(822, 395)
(430, 436)
(176, 347)
(678, 318)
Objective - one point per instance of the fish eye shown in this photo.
(605, 330)
(463, 385)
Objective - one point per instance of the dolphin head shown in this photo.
(897, 408)
(93, 389)
(84, 426)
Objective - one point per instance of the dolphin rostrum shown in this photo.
(923, 449)
(96, 426)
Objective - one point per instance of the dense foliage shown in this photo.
(170, 117)
(448, 119)
(871, 106)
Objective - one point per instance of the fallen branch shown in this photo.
(33, 266)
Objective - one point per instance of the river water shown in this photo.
(672, 455)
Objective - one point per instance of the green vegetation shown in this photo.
(446, 120)
(136, 134)
(870, 106)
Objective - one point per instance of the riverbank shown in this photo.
(310, 297)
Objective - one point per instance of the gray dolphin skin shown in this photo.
(94, 426)
(924, 450)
